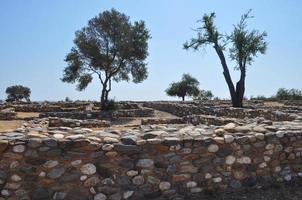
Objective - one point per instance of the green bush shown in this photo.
(110, 105)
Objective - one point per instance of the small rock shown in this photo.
(145, 163)
(259, 136)
(164, 186)
(208, 176)
(83, 178)
(76, 163)
(280, 134)
(50, 163)
(196, 190)
(217, 179)
(138, 180)
(59, 195)
(56, 172)
(92, 181)
(100, 196)
(88, 169)
(5, 192)
(244, 160)
(213, 148)
(191, 184)
(230, 127)
(34, 142)
(16, 178)
(152, 134)
(219, 132)
(228, 138)
(230, 160)
(259, 129)
(132, 173)
(107, 147)
(128, 194)
(19, 148)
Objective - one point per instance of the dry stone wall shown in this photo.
(184, 109)
(152, 162)
(8, 114)
(92, 123)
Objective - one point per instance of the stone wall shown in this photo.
(154, 162)
(141, 112)
(88, 123)
(8, 114)
(198, 108)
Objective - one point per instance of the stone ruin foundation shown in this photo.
(169, 159)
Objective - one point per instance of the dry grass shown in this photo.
(273, 103)
(23, 115)
(10, 125)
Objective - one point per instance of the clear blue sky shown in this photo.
(36, 35)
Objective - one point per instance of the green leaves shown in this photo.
(17, 93)
(206, 34)
(110, 47)
(246, 44)
(188, 86)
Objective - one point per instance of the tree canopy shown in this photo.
(111, 48)
(188, 86)
(17, 93)
(204, 95)
(244, 45)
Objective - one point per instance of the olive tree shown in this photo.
(111, 48)
(17, 93)
(204, 95)
(244, 45)
(188, 86)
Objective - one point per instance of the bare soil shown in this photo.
(26, 115)
(10, 125)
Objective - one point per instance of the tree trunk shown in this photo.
(183, 98)
(105, 92)
(240, 89)
(227, 75)
(103, 97)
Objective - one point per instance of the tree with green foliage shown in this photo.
(17, 93)
(188, 86)
(243, 44)
(286, 94)
(111, 48)
(204, 95)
